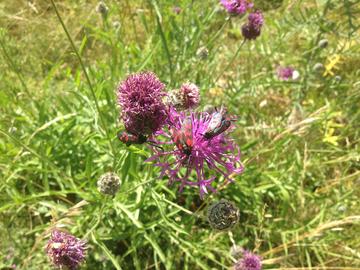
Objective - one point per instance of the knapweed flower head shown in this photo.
(249, 261)
(141, 99)
(252, 29)
(199, 140)
(185, 98)
(65, 250)
(176, 10)
(109, 183)
(256, 19)
(287, 73)
(189, 95)
(236, 7)
(223, 215)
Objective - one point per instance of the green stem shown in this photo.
(215, 36)
(164, 42)
(231, 61)
(87, 78)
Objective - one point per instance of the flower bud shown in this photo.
(223, 215)
(202, 53)
(109, 183)
(323, 43)
(102, 8)
(318, 67)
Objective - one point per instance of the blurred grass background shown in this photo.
(299, 194)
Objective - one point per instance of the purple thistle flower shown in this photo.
(65, 250)
(249, 261)
(192, 151)
(256, 19)
(252, 29)
(141, 99)
(236, 7)
(287, 73)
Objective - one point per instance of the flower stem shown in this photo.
(86, 76)
(231, 61)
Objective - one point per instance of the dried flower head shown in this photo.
(116, 25)
(185, 98)
(109, 183)
(141, 99)
(323, 43)
(223, 215)
(237, 7)
(318, 67)
(199, 140)
(65, 250)
(102, 8)
(202, 53)
(249, 261)
(190, 95)
(252, 29)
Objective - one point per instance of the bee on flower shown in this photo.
(199, 140)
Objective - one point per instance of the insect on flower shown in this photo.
(218, 124)
(193, 157)
(129, 139)
(183, 138)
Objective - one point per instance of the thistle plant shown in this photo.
(237, 7)
(111, 126)
(65, 250)
(140, 97)
(197, 142)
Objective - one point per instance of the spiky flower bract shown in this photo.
(222, 215)
(249, 261)
(219, 153)
(252, 29)
(65, 250)
(109, 183)
(141, 99)
(236, 7)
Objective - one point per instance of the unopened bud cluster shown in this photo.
(109, 183)
(223, 215)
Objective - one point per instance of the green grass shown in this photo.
(299, 193)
